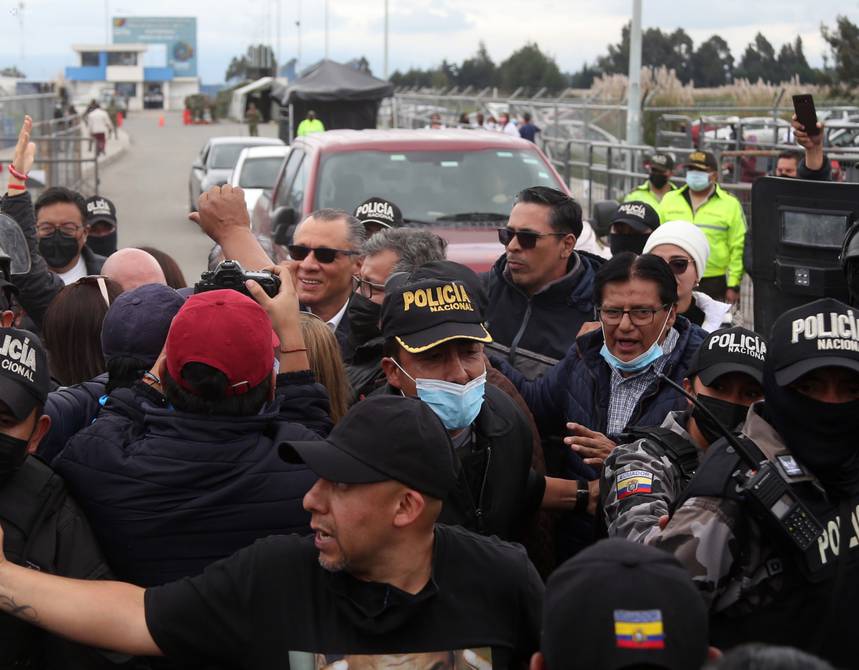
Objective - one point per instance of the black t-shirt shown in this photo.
(272, 605)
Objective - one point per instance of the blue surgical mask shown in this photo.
(697, 180)
(640, 362)
(457, 405)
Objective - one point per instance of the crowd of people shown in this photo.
(372, 456)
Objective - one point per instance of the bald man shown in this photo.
(132, 268)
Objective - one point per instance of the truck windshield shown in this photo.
(428, 186)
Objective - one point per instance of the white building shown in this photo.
(109, 71)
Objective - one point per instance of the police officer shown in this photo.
(631, 225)
(645, 475)
(44, 529)
(849, 258)
(719, 215)
(660, 168)
(744, 555)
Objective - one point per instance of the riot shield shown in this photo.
(796, 234)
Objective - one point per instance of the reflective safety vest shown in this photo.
(721, 219)
(644, 194)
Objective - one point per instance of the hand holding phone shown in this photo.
(803, 106)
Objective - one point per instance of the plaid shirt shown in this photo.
(627, 391)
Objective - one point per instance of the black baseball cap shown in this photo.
(729, 350)
(660, 162)
(383, 438)
(24, 376)
(820, 334)
(425, 313)
(633, 605)
(99, 208)
(446, 271)
(380, 211)
(137, 323)
(638, 215)
(702, 160)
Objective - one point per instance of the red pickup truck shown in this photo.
(458, 183)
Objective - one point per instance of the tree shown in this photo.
(672, 50)
(844, 43)
(477, 71)
(712, 63)
(759, 62)
(792, 62)
(532, 68)
(584, 78)
(237, 69)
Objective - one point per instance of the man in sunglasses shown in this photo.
(540, 288)
(647, 472)
(327, 250)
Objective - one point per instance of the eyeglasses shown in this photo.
(527, 239)
(366, 288)
(678, 264)
(324, 255)
(639, 316)
(97, 280)
(67, 229)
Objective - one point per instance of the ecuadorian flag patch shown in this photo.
(632, 482)
(639, 629)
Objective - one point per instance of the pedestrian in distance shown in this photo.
(527, 129)
(252, 118)
(311, 124)
(99, 125)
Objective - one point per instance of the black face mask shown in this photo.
(364, 316)
(58, 250)
(658, 180)
(104, 245)
(13, 451)
(626, 242)
(821, 435)
(729, 414)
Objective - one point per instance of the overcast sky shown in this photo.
(422, 32)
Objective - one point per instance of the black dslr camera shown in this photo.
(229, 274)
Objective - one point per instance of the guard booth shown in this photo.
(796, 234)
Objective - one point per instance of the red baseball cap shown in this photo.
(227, 331)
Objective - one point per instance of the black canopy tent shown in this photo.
(341, 96)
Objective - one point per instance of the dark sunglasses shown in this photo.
(324, 255)
(678, 265)
(526, 238)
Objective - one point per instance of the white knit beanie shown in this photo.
(685, 235)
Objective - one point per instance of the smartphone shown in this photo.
(803, 105)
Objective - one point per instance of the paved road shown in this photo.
(149, 186)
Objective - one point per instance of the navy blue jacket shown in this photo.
(578, 388)
(547, 322)
(71, 408)
(168, 492)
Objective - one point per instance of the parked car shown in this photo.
(459, 183)
(216, 161)
(256, 170)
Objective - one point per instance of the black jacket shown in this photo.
(92, 261)
(38, 287)
(547, 322)
(497, 491)
(170, 492)
(71, 409)
(364, 370)
(46, 531)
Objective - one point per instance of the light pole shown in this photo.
(386, 40)
(326, 29)
(298, 41)
(633, 93)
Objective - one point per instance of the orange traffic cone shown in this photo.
(161, 121)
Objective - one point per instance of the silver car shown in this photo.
(256, 170)
(216, 161)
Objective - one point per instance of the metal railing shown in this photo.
(64, 158)
(13, 109)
